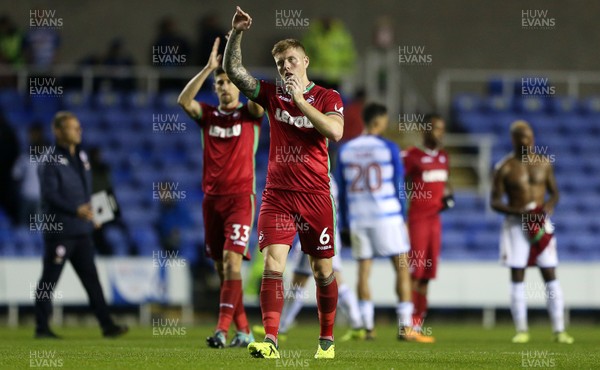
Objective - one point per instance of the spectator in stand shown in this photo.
(11, 42)
(116, 56)
(209, 29)
(41, 45)
(331, 50)
(170, 49)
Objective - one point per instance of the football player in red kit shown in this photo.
(303, 118)
(229, 134)
(427, 170)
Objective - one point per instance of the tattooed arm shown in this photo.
(232, 59)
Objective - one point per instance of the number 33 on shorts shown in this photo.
(240, 234)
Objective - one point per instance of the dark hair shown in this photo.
(283, 45)
(218, 71)
(430, 117)
(61, 117)
(373, 110)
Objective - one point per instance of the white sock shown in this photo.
(292, 306)
(518, 305)
(404, 310)
(347, 299)
(367, 311)
(556, 305)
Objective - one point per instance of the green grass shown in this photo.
(457, 347)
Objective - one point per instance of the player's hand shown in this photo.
(346, 238)
(294, 88)
(548, 209)
(448, 202)
(214, 60)
(84, 211)
(241, 20)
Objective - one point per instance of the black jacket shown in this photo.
(66, 183)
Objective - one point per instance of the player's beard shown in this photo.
(226, 98)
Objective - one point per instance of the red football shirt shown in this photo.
(428, 171)
(298, 157)
(229, 139)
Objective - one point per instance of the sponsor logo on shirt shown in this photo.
(300, 121)
(435, 176)
(225, 132)
(324, 247)
(426, 160)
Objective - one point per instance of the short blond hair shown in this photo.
(60, 117)
(518, 126)
(285, 44)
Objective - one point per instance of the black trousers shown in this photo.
(80, 251)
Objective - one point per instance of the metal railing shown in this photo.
(146, 77)
(479, 162)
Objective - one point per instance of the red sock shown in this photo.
(327, 297)
(271, 302)
(239, 316)
(420, 304)
(230, 292)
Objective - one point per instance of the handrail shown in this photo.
(483, 143)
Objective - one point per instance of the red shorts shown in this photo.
(283, 213)
(425, 241)
(228, 224)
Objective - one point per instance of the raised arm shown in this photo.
(232, 61)
(186, 98)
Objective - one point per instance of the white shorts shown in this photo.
(303, 263)
(384, 240)
(514, 246)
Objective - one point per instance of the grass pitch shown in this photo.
(457, 347)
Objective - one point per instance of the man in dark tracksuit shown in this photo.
(65, 180)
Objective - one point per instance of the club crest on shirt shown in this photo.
(84, 159)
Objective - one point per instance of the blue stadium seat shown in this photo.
(168, 100)
(108, 100)
(145, 240)
(76, 100)
(563, 105)
(475, 122)
(497, 104)
(117, 239)
(466, 103)
(139, 100)
(591, 105)
(11, 100)
(530, 104)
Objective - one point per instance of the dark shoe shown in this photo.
(115, 331)
(48, 334)
(217, 340)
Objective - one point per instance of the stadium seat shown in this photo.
(76, 100)
(117, 240)
(145, 240)
(466, 103)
